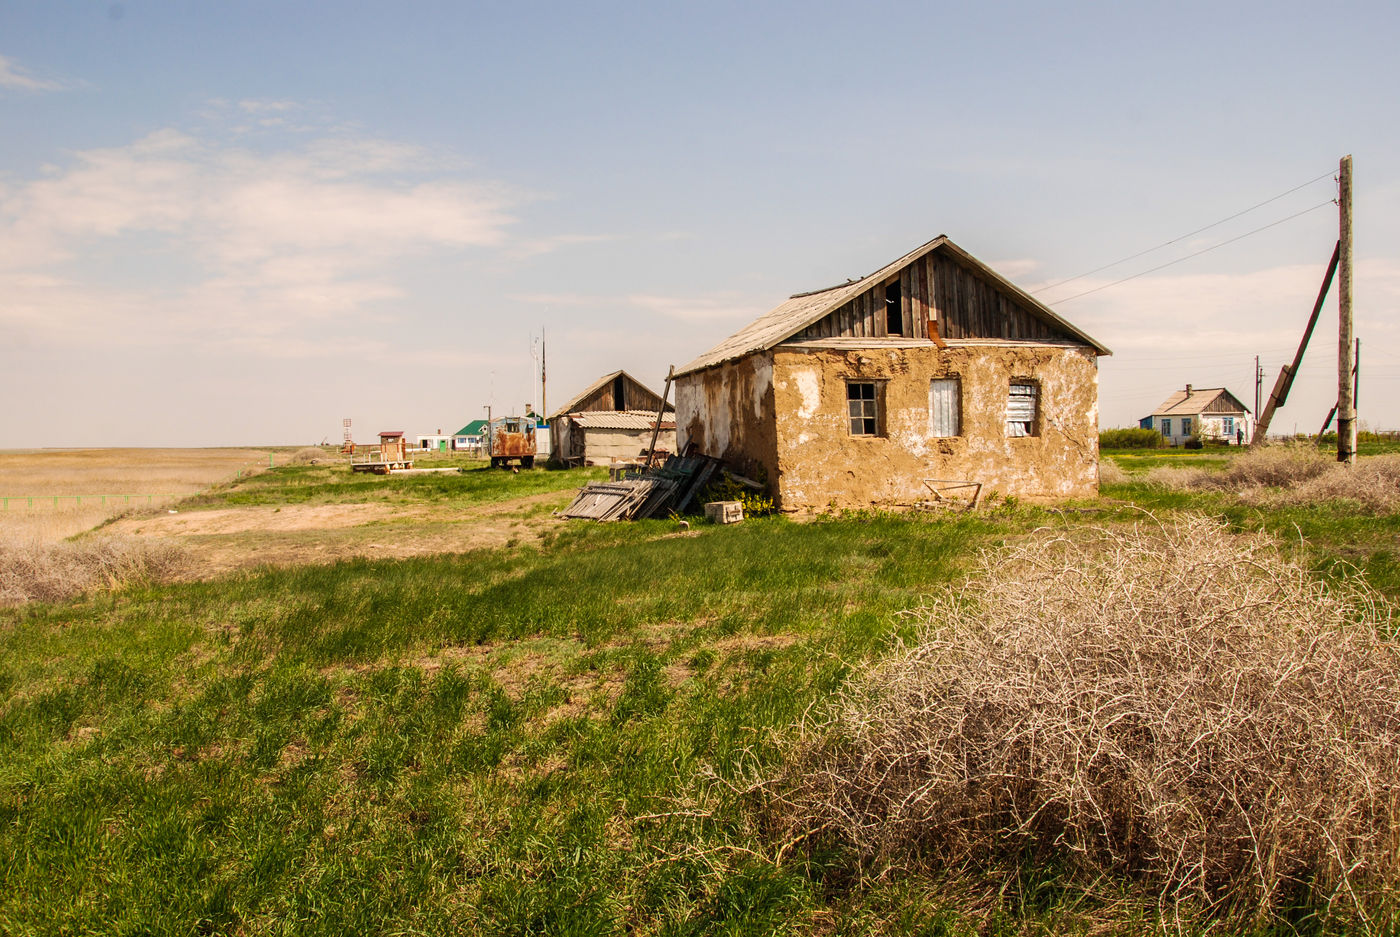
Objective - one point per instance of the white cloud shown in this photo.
(717, 307)
(236, 242)
(1015, 270)
(13, 75)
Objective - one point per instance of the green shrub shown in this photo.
(724, 488)
(1131, 438)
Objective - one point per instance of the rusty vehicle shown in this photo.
(511, 439)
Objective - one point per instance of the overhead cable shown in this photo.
(1213, 224)
(1205, 250)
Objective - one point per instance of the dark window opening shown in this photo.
(862, 404)
(619, 394)
(894, 310)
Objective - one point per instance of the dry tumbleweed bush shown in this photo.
(309, 455)
(48, 572)
(1294, 475)
(1171, 703)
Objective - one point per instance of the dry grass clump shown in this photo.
(49, 572)
(1174, 705)
(1111, 473)
(306, 456)
(1284, 475)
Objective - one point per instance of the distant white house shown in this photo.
(432, 442)
(1211, 412)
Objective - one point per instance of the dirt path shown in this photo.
(225, 539)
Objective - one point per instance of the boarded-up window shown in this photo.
(862, 401)
(945, 406)
(1020, 409)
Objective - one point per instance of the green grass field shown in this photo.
(550, 739)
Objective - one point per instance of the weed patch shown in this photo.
(1175, 705)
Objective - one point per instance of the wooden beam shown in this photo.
(1279, 396)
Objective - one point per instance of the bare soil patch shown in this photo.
(222, 540)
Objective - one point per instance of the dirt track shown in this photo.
(226, 539)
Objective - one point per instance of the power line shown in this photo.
(1198, 253)
(1213, 224)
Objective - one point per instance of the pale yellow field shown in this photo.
(49, 494)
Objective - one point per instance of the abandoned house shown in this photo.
(932, 371)
(1212, 413)
(612, 420)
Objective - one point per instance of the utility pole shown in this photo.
(1259, 381)
(1346, 401)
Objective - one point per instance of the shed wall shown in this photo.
(605, 446)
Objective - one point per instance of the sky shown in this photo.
(241, 223)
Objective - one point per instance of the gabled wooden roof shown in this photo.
(598, 385)
(803, 309)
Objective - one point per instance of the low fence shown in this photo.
(29, 501)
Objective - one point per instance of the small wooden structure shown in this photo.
(388, 456)
(613, 419)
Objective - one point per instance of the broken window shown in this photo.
(1021, 408)
(862, 401)
(945, 406)
(894, 310)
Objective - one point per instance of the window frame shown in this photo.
(894, 309)
(1033, 424)
(876, 408)
(956, 381)
(1164, 426)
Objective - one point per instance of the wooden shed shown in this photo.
(613, 419)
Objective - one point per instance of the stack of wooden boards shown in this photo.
(645, 492)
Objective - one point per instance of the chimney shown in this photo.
(1188, 390)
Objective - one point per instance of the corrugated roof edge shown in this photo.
(776, 325)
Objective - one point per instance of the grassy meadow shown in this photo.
(559, 736)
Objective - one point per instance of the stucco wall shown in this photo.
(727, 412)
(820, 465)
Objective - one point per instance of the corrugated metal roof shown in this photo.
(474, 428)
(619, 419)
(803, 309)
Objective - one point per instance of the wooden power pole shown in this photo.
(1346, 400)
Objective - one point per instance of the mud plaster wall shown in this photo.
(821, 465)
(727, 412)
